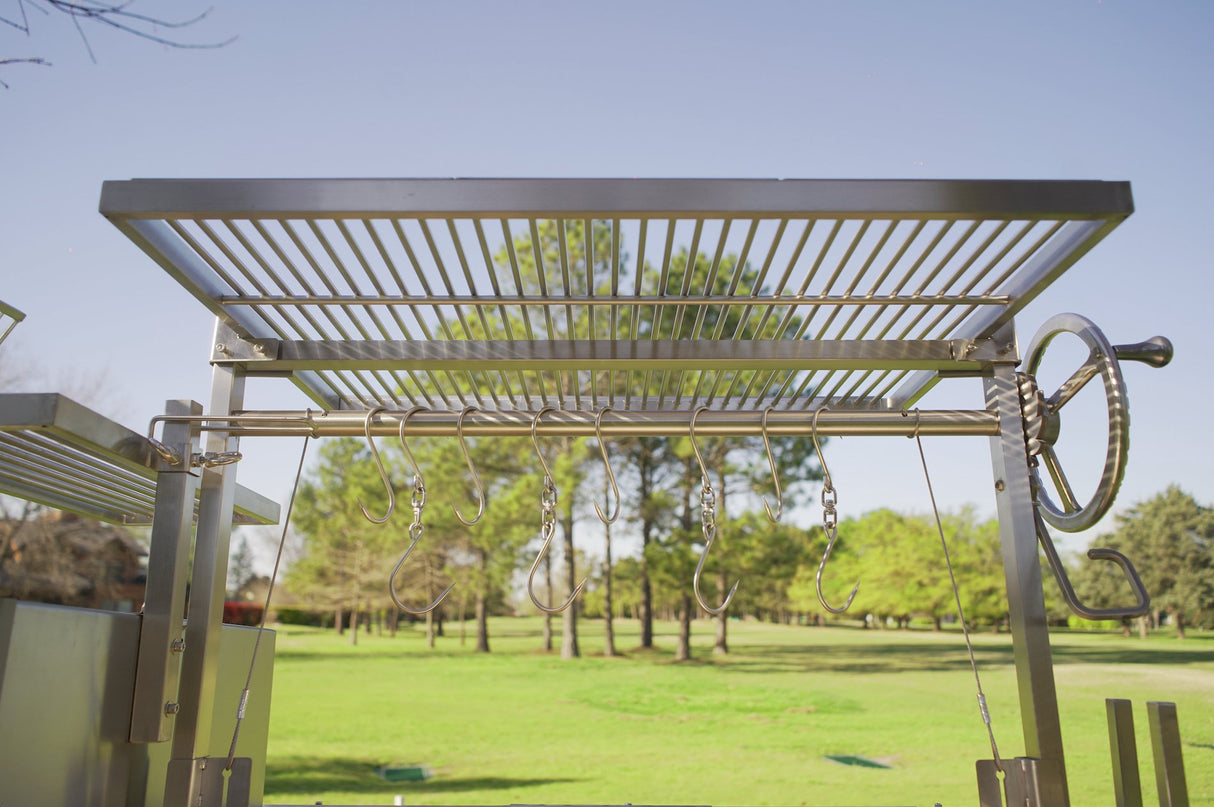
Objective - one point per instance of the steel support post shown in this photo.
(200, 666)
(1026, 599)
(161, 639)
(1169, 760)
(1127, 786)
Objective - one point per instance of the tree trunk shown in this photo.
(936, 624)
(682, 648)
(354, 625)
(430, 629)
(482, 605)
(1143, 626)
(393, 621)
(339, 621)
(548, 588)
(569, 648)
(722, 643)
(721, 647)
(1179, 615)
(645, 472)
(608, 617)
(463, 624)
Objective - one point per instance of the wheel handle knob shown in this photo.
(1156, 351)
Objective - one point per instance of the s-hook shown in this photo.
(830, 523)
(476, 478)
(708, 521)
(775, 475)
(383, 474)
(548, 501)
(415, 529)
(598, 435)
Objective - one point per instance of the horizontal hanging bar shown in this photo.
(350, 423)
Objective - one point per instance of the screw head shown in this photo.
(171, 708)
(999, 486)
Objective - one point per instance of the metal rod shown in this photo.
(1169, 758)
(734, 423)
(1127, 785)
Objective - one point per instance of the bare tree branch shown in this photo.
(30, 60)
(114, 15)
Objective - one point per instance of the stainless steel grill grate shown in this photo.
(644, 295)
(58, 453)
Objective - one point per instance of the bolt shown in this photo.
(999, 486)
(171, 708)
(177, 645)
(221, 348)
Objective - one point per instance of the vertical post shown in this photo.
(200, 666)
(1169, 764)
(1026, 599)
(161, 639)
(1127, 787)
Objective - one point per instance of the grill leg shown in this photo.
(1127, 787)
(1169, 764)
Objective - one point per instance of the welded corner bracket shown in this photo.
(230, 347)
(1019, 788)
(205, 782)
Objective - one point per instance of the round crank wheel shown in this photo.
(1070, 516)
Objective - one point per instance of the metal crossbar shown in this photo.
(399, 293)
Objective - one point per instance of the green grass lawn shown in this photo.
(519, 726)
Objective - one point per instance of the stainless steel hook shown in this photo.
(708, 501)
(548, 500)
(416, 528)
(400, 432)
(829, 524)
(1142, 599)
(598, 435)
(383, 473)
(476, 479)
(775, 475)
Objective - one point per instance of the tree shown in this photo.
(347, 555)
(1169, 539)
(116, 16)
(486, 554)
(240, 566)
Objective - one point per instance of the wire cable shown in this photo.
(969, 645)
(282, 542)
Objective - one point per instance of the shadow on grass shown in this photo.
(888, 657)
(878, 657)
(295, 776)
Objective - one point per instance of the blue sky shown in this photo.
(1049, 90)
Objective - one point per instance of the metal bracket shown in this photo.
(1020, 785)
(230, 347)
(201, 782)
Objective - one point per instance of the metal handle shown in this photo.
(1156, 351)
(1068, 592)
